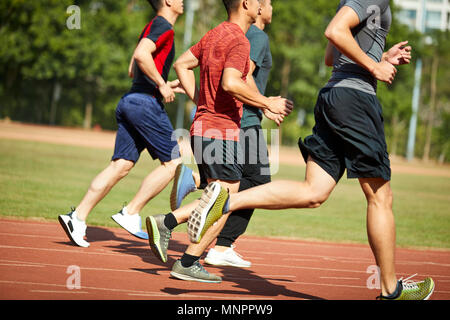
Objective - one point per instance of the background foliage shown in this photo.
(51, 74)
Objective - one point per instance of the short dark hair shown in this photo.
(156, 4)
(230, 5)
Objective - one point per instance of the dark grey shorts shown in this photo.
(218, 159)
(348, 134)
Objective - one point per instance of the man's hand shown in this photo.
(278, 118)
(176, 86)
(384, 71)
(167, 93)
(398, 54)
(280, 105)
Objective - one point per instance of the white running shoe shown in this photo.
(227, 258)
(74, 228)
(130, 222)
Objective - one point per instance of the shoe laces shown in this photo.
(409, 284)
(197, 267)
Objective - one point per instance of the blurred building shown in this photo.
(437, 13)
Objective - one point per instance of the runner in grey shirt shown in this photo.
(375, 17)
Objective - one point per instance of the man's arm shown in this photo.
(131, 67)
(329, 55)
(340, 35)
(144, 59)
(278, 118)
(184, 67)
(233, 84)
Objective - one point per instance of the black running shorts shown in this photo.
(348, 134)
(218, 159)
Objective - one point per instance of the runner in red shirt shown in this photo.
(223, 57)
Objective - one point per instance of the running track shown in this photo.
(35, 256)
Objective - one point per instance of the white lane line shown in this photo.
(59, 291)
(31, 236)
(128, 292)
(25, 264)
(340, 278)
(71, 251)
(85, 251)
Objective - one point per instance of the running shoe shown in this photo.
(74, 228)
(410, 290)
(196, 272)
(183, 184)
(227, 258)
(159, 236)
(213, 203)
(130, 222)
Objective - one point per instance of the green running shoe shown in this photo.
(213, 203)
(158, 236)
(410, 290)
(196, 272)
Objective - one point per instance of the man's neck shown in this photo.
(243, 21)
(168, 14)
(259, 24)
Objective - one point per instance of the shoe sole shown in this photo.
(154, 238)
(68, 232)
(225, 264)
(189, 278)
(142, 235)
(431, 291)
(199, 222)
(173, 194)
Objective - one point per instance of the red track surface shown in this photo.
(35, 256)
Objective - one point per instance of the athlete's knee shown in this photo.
(317, 200)
(380, 196)
(318, 194)
(172, 165)
(121, 167)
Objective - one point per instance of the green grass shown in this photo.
(45, 180)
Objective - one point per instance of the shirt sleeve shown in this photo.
(238, 56)
(157, 29)
(367, 8)
(258, 47)
(197, 49)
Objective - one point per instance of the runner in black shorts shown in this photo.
(222, 56)
(348, 135)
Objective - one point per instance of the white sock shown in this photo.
(125, 211)
(78, 219)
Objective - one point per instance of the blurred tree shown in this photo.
(50, 73)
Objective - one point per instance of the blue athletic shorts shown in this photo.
(143, 124)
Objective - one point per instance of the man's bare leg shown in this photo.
(310, 193)
(381, 229)
(102, 184)
(285, 194)
(152, 185)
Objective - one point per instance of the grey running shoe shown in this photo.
(158, 236)
(196, 272)
(213, 203)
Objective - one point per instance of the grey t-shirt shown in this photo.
(375, 21)
(262, 57)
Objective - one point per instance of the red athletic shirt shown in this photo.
(218, 113)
